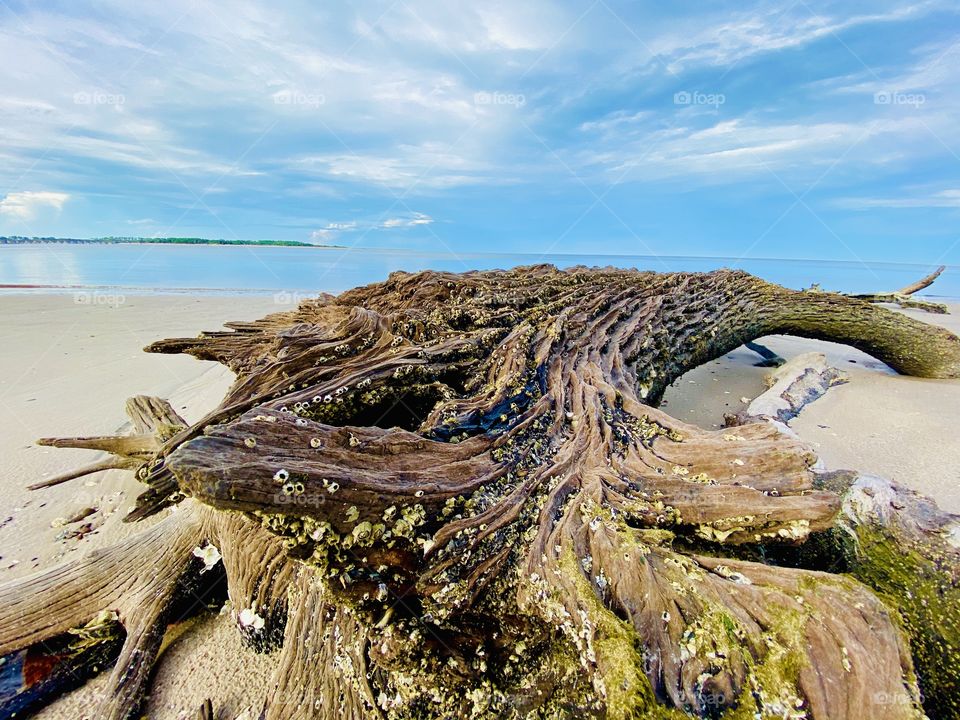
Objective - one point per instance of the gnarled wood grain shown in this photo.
(454, 496)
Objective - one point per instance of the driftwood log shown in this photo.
(454, 496)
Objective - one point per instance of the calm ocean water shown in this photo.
(219, 269)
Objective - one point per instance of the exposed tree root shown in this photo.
(454, 496)
(896, 541)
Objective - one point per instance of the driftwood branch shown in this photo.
(904, 297)
(454, 496)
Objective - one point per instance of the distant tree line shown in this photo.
(20, 240)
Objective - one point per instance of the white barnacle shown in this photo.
(315, 442)
(209, 554)
(281, 476)
(317, 399)
(333, 487)
(301, 422)
(418, 493)
(362, 531)
(249, 619)
(328, 398)
(354, 442)
(288, 488)
(250, 442)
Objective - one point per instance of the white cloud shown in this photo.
(726, 42)
(323, 234)
(615, 120)
(747, 148)
(941, 199)
(25, 205)
(334, 229)
(468, 28)
(428, 165)
(933, 73)
(417, 219)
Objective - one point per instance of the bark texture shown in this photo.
(453, 496)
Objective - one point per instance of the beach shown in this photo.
(68, 362)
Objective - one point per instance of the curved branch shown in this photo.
(907, 345)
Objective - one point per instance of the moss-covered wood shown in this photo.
(454, 496)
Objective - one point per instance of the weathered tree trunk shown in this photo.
(453, 496)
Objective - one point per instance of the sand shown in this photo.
(66, 368)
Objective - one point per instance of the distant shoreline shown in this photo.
(41, 289)
(160, 241)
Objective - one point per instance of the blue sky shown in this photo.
(750, 129)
